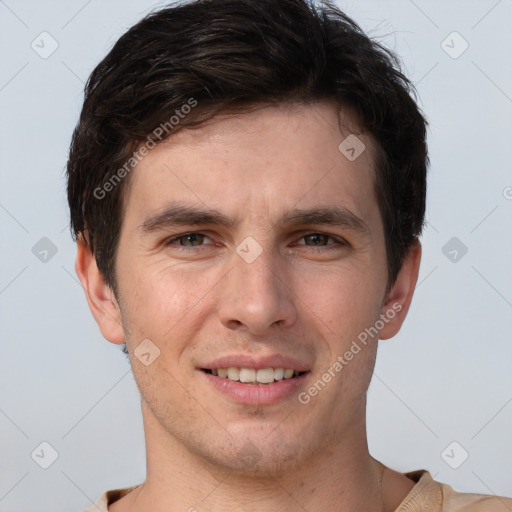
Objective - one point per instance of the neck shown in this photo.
(341, 476)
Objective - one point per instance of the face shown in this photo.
(253, 242)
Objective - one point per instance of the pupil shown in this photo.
(192, 238)
(316, 238)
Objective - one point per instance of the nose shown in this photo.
(257, 295)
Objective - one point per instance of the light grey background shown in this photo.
(446, 377)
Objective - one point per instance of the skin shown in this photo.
(304, 296)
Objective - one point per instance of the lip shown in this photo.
(256, 394)
(246, 361)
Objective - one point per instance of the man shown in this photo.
(247, 189)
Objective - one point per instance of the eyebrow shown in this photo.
(177, 214)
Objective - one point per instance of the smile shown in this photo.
(254, 376)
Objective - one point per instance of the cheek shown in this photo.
(165, 307)
(343, 300)
(163, 303)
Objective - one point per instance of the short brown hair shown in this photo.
(234, 54)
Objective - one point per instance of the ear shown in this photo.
(100, 297)
(397, 302)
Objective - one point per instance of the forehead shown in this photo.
(260, 164)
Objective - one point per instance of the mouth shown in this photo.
(263, 379)
(254, 376)
(256, 386)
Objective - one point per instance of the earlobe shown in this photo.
(99, 295)
(398, 300)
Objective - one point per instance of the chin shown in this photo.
(263, 455)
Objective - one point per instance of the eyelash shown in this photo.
(338, 241)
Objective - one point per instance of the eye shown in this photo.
(188, 240)
(197, 240)
(321, 239)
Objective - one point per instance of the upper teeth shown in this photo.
(262, 376)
